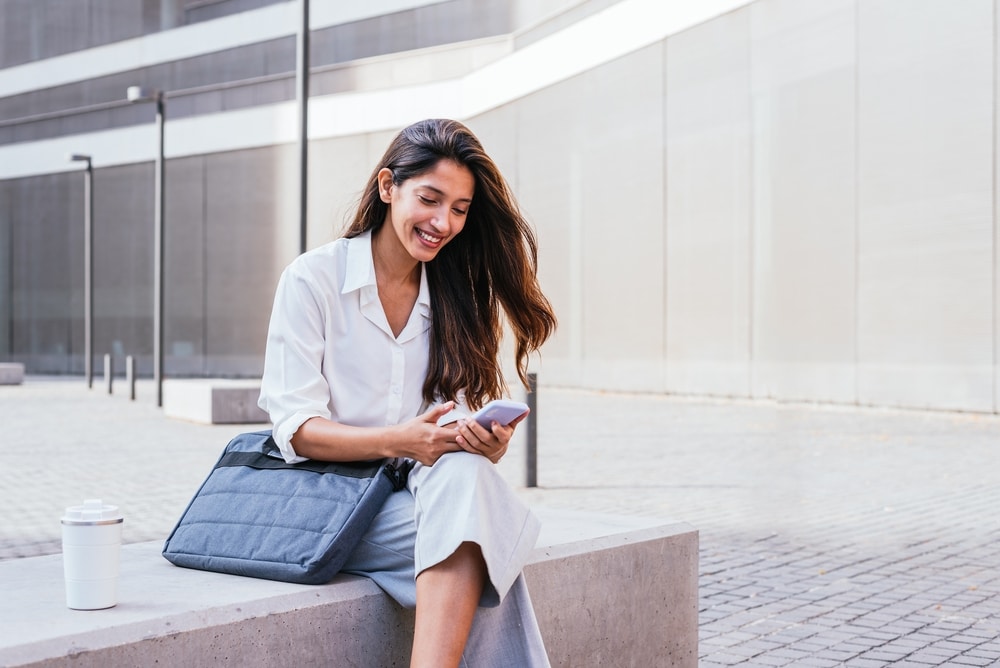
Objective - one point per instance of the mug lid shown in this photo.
(93, 511)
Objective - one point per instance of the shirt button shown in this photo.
(396, 389)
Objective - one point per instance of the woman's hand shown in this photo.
(490, 443)
(425, 440)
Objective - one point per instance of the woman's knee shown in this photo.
(457, 475)
(461, 468)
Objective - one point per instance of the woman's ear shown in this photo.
(385, 184)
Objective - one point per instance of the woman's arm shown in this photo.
(420, 439)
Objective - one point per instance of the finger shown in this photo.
(484, 434)
(492, 448)
(479, 437)
(473, 446)
(503, 434)
(498, 435)
(473, 441)
(435, 412)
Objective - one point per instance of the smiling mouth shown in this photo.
(427, 237)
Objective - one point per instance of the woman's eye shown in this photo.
(426, 200)
(459, 212)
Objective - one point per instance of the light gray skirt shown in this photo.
(461, 498)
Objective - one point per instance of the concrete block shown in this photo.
(213, 400)
(607, 590)
(630, 599)
(11, 373)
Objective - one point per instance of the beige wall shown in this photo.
(791, 201)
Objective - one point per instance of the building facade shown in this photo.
(780, 199)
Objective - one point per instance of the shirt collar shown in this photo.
(360, 268)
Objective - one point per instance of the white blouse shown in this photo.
(330, 351)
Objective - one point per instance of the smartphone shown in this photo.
(500, 410)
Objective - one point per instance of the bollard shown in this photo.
(130, 376)
(109, 372)
(532, 435)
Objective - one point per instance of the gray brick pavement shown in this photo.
(830, 536)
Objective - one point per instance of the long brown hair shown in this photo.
(492, 263)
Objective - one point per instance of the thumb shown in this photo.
(516, 421)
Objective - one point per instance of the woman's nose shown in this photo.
(442, 221)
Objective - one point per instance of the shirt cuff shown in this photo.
(282, 434)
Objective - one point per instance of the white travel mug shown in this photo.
(91, 541)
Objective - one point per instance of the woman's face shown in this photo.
(428, 210)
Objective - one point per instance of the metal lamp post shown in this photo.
(137, 94)
(302, 103)
(88, 266)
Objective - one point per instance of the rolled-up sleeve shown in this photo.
(293, 388)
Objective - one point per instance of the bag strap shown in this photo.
(268, 456)
(259, 460)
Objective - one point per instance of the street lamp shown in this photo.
(88, 266)
(138, 94)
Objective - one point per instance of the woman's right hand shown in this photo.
(424, 440)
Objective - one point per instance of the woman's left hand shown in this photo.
(490, 443)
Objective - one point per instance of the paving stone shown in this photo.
(929, 657)
(983, 651)
(865, 663)
(770, 660)
(836, 654)
(816, 662)
(951, 645)
(790, 652)
(884, 654)
(964, 660)
(723, 659)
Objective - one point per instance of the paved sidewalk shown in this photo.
(829, 536)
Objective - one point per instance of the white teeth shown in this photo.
(424, 235)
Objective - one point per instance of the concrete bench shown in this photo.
(607, 590)
(11, 373)
(213, 400)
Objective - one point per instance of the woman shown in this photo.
(380, 336)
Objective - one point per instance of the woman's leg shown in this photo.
(448, 595)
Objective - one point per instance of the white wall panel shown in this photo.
(804, 199)
(548, 185)
(996, 218)
(338, 169)
(708, 208)
(621, 201)
(926, 203)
